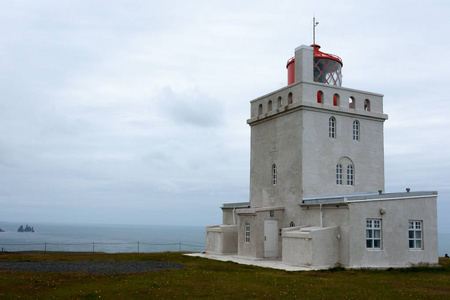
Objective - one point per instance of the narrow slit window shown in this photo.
(355, 130)
(260, 110)
(290, 100)
(274, 174)
(367, 105)
(319, 97)
(351, 102)
(269, 105)
(336, 100)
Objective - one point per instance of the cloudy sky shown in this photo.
(135, 112)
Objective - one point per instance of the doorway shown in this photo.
(271, 238)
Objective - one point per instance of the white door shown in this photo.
(271, 238)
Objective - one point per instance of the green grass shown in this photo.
(203, 278)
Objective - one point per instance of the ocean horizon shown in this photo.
(109, 238)
(118, 238)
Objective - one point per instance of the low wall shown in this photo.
(311, 246)
(221, 239)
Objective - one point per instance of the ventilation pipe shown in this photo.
(321, 215)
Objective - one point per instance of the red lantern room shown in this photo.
(327, 68)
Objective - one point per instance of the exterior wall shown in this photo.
(247, 249)
(255, 248)
(332, 216)
(311, 246)
(277, 141)
(228, 216)
(221, 239)
(322, 153)
(395, 251)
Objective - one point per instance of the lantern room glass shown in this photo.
(327, 71)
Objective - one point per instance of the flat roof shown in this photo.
(236, 205)
(337, 199)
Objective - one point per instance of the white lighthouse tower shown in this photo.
(317, 179)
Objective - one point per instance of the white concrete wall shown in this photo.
(221, 239)
(322, 153)
(395, 251)
(311, 246)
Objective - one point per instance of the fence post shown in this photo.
(93, 247)
(179, 247)
(138, 246)
(45, 247)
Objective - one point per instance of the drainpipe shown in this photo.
(234, 215)
(321, 216)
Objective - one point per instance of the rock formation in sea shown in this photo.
(26, 229)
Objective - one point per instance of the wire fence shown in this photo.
(139, 247)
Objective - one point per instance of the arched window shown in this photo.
(290, 98)
(279, 102)
(247, 232)
(339, 174)
(319, 97)
(350, 176)
(367, 105)
(260, 110)
(274, 174)
(355, 130)
(269, 105)
(351, 102)
(332, 127)
(336, 100)
(292, 224)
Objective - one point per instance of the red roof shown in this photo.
(319, 54)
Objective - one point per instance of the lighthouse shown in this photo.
(317, 179)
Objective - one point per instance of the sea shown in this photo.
(117, 238)
(102, 238)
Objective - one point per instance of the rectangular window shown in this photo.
(415, 235)
(355, 130)
(339, 174)
(373, 233)
(247, 232)
(349, 175)
(332, 128)
(274, 174)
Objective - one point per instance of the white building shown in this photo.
(317, 180)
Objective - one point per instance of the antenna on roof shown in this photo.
(314, 30)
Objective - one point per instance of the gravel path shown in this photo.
(95, 267)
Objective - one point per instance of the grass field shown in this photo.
(203, 278)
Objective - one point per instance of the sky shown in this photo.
(134, 112)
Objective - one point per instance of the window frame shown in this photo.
(350, 175)
(274, 174)
(339, 174)
(332, 127)
(247, 232)
(412, 228)
(356, 130)
(371, 232)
